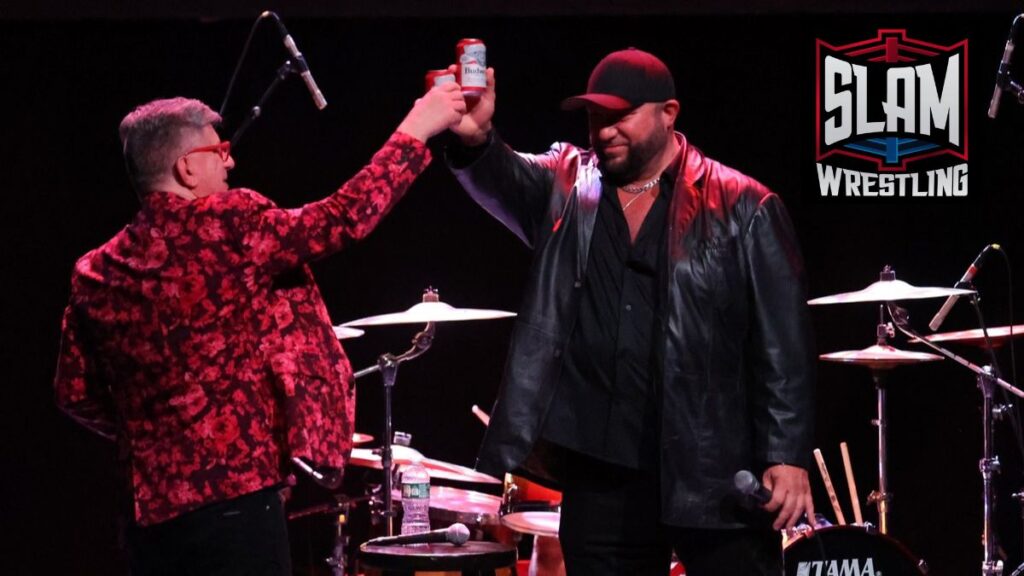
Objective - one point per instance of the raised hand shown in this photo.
(441, 108)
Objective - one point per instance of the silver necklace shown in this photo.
(642, 187)
(638, 191)
(634, 199)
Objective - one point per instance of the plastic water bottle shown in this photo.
(415, 499)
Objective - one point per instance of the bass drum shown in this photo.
(852, 550)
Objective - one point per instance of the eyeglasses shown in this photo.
(221, 148)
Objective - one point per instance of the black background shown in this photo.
(746, 83)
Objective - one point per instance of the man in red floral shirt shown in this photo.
(197, 338)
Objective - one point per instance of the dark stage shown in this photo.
(746, 81)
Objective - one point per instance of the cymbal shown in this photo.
(998, 335)
(360, 438)
(344, 332)
(429, 312)
(879, 357)
(888, 291)
(403, 455)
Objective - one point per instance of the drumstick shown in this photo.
(828, 487)
(481, 415)
(853, 484)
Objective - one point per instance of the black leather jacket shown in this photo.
(738, 365)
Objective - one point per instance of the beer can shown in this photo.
(471, 65)
(438, 77)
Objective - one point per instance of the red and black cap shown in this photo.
(624, 80)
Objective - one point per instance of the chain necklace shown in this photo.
(642, 187)
(638, 191)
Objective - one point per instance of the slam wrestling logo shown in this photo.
(891, 118)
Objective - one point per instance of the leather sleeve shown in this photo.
(782, 353)
(512, 187)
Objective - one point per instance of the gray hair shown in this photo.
(156, 133)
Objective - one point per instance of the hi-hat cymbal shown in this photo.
(879, 357)
(998, 335)
(403, 455)
(889, 291)
(344, 332)
(430, 312)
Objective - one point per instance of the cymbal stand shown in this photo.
(989, 463)
(387, 365)
(882, 498)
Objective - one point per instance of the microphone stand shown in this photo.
(387, 365)
(282, 74)
(987, 380)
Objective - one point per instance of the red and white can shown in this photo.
(471, 65)
(437, 77)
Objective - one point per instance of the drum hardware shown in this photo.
(429, 311)
(339, 511)
(987, 379)
(880, 358)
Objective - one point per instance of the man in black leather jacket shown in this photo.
(663, 343)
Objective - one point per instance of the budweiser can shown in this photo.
(438, 77)
(471, 65)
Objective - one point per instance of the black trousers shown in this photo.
(611, 525)
(247, 536)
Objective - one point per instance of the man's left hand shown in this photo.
(791, 495)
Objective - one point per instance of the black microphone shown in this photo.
(307, 76)
(746, 484)
(456, 534)
(1003, 73)
(973, 269)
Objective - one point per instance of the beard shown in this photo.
(639, 154)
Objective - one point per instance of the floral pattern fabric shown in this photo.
(197, 338)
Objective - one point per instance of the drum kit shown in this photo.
(863, 549)
(524, 508)
(530, 509)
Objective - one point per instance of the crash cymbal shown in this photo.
(998, 335)
(430, 312)
(360, 438)
(344, 332)
(889, 289)
(403, 455)
(879, 357)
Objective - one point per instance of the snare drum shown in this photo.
(478, 511)
(529, 508)
(849, 550)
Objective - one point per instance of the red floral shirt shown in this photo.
(197, 338)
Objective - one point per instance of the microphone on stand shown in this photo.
(1003, 72)
(456, 534)
(972, 270)
(318, 98)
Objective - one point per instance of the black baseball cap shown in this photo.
(625, 79)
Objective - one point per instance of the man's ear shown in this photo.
(670, 110)
(183, 173)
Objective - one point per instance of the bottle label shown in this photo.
(418, 491)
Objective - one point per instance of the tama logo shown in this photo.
(846, 567)
(891, 118)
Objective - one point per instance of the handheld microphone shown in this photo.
(746, 484)
(456, 534)
(1003, 72)
(318, 98)
(972, 270)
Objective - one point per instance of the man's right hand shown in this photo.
(476, 123)
(443, 107)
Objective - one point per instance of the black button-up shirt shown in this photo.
(606, 402)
